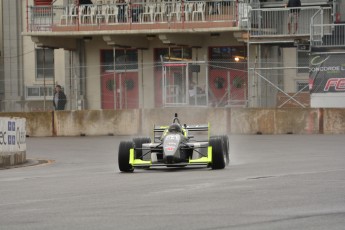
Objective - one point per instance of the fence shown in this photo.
(327, 35)
(281, 81)
(267, 83)
(271, 92)
(272, 22)
(217, 83)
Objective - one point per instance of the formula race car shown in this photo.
(174, 146)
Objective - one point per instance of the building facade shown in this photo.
(146, 54)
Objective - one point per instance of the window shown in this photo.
(174, 54)
(125, 60)
(227, 57)
(37, 92)
(302, 85)
(44, 63)
(303, 61)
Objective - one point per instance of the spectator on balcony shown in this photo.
(137, 9)
(122, 10)
(293, 14)
(59, 100)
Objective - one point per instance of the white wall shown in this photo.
(291, 75)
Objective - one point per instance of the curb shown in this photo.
(28, 163)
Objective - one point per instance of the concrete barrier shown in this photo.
(274, 121)
(96, 122)
(12, 141)
(38, 124)
(222, 120)
(334, 121)
(140, 122)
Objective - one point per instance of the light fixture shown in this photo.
(214, 35)
(87, 38)
(150, 37)
(239, 58)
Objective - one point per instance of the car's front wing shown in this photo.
(148, 163)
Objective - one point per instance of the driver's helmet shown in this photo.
(175, 128)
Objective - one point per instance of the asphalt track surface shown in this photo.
(272, 182)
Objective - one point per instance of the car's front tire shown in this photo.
(123, 155)
(218, 161)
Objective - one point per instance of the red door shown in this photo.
(221, 82)
(126, 88)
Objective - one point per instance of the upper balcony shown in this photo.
(270, 25)
(250, 22)
(148, 17)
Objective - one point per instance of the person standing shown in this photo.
(293, 14)
(121, 4)
(59, 100)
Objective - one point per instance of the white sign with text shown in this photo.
(12, 135)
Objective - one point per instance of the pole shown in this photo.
(44, 80)
(27, 16)
(142, 80)
(114, 80)
(125, 80)
(229, 87)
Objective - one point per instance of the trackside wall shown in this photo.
(222, 121)
(137, 122)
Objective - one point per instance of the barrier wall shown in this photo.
(96, 122)
(12, 141)
(333, 121)
(222, 120)
(137, 122)
(275, 121)
(38, 124)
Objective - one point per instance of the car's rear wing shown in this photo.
(159, 130)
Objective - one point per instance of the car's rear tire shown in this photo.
(226, 148)
(123, 155)
(218, 161)
(138, 143)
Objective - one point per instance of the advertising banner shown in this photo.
(327, 73)
(12, 135)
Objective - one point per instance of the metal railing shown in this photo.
(327, 35)
(123, 16)
(273, 22)
(213, 83)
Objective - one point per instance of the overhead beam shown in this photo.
(127, 41)
(54, 42)
(182, 39)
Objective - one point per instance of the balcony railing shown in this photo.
(275, 22)
(328, 35)
(138, 16)
(324, 35)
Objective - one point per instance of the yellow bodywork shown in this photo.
(206, 160)
(137, 162)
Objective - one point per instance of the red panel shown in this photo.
(127, 90)
(218, 83)
(42, 2)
